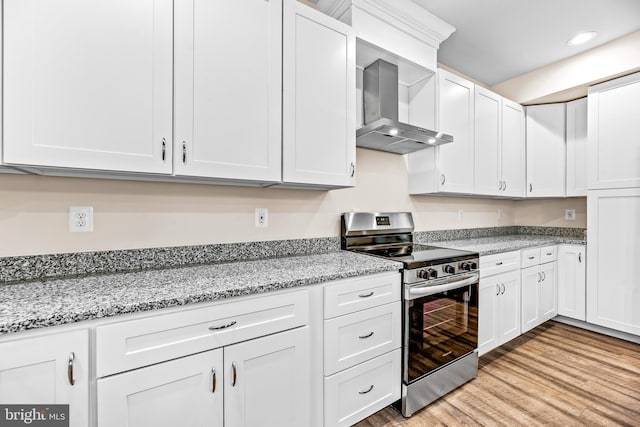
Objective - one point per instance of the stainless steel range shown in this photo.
(440, 304)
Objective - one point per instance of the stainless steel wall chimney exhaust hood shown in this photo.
(382, 130)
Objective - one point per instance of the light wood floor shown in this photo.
(554, 375)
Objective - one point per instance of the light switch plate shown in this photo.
(262, 217)
(570, 214)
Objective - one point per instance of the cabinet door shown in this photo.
(488, 327)
(548, 291)
(487, 136)
(614, 146)
(546, 150)
(509, 307)
(577, 147)
(37, 371)
(181, 392)
(513, 149)
(318, 134)
(613, 295)
(88, 84)
(228, 65)
(530, 315)
(455, 117)
(572, 281)
(267, 381)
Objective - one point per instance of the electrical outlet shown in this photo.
(570, 214)
(80, 219)
(262, 217)
(460, 214)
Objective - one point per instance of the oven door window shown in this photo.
(441, 328)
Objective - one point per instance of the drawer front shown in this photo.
(354, 394)
(357, 337)
(348, 296)
(135, 343)
(548, 254)
(499, 263)
(530, 257)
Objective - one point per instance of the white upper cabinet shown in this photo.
(455, 117)
(319, 72)
(88, 85)
(513, 149)
(546, 150)
(614, 145)
(228, 80)
(577, 147)
(488, 135)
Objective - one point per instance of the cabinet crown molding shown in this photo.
(405, 15)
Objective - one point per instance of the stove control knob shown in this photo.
(449, 269)
(422, 274)
(433, 274)
(468, 266)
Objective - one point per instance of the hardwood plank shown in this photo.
(555, 374)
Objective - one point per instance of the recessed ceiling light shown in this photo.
(581, 38)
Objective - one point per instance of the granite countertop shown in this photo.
(38, 304)
(499, 244)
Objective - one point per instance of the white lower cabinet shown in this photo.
(499, 310)
(539, 288)
(186, 391)
(362, 340)
(48, 369)
(572, 266)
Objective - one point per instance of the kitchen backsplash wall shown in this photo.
(131, 214)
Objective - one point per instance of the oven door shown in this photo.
(440, 323)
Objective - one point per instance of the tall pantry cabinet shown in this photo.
(613, 204)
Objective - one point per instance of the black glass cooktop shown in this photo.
(417, 255)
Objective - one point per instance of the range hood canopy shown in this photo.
(382, 130)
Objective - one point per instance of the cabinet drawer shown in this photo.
(499, 263)
(530, 257)
(361, 336)
(356, 393)
(548, 254)
(135, 343)
(352, 295)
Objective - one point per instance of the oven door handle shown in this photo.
(423, 291)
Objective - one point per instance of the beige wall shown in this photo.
(550, 212)
(131, 214)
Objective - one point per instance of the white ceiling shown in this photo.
(496, 40)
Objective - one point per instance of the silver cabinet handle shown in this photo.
(72, 358)
(503, 288)
(504, 185)
(580, 257)
(443, 178)
(225, 326)
(363, 337)
(234, 374)
(499, 263)
(164, 149)
(497, 289)
(549, 253)
(500, 186)
(213, 380)
(366, 295)
(539, 277)
(531, 257)
(530, 188)
(367, 390)
(544, 276)
(353, 169)
(184, 152)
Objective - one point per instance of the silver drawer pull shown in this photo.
(531, 257)
(367, 390)
(549, 253)
(228, 325)
(366, 295)
(70, 376)
(499, 263)
(362, 337)
(213, 380)
(580, 257)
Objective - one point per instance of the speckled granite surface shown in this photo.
(499, 244)
(58, 301)
(25, 268)
(474, 233)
